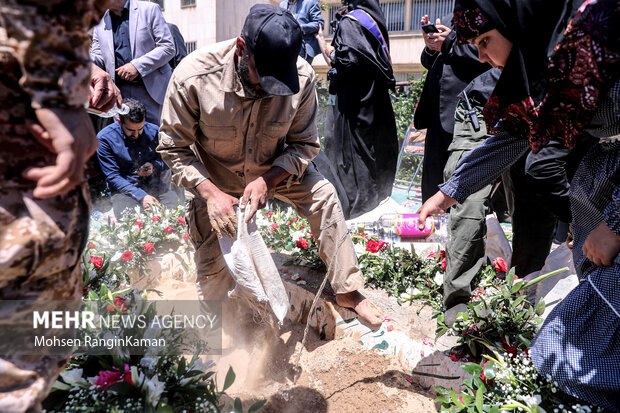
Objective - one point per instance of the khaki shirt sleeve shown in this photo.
(50, 41)
(179, 123)
(302, 139)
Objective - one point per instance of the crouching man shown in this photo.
(239, 120)
(134, 171)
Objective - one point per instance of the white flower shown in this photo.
(74, 376)
(533, 402)
(298, 234)
(58, 385)
(359, 249)
(116, 256)
(154, 389)
(438, 278)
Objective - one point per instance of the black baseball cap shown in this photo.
(274, 37)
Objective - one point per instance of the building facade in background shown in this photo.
(203, 22)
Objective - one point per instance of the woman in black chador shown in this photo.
(364, 147)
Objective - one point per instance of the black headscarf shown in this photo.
(372, 7)
(533, 27)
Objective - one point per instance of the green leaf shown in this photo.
(480, 400)
(540, 306)
(256, 406)
(518, 286)
(544, 277)
(238, 406)
(472, 368)
(490, 370)
(518, 301)
(455, 398)
(230, 378)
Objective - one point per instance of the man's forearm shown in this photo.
(275, 176)
(206, 189)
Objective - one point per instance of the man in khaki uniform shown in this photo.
(239, 120)
(45, 139)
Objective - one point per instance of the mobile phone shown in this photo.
(429, 28)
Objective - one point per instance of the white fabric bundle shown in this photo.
(253, 269)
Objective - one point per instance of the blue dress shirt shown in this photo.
(120, 31)
(120, 156)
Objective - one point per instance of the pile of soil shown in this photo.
(336, 376)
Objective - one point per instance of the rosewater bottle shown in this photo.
(404, 227)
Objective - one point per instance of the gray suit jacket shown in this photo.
(151, 43)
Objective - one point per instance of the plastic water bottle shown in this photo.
(115, 111)
(404, 226)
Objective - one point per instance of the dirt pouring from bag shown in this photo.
(337, 376)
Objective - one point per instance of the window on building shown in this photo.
(332, 17)
(159, 2)
(188, 3)
(434, 8)
(190, 46)
(394, 12)
(406, 76)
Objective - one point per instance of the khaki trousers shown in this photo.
(314, 198)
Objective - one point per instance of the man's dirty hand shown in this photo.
(256, 194)
(221, 208)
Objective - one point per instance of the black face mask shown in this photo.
(243, 71)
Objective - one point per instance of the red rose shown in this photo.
(500, 265)
(127, 255)
(156, 218)
(510, 349)
(107, 378)
(138, 223)
(311, 234)
(432, 255)
(149, 248)
(289, 223)
(294, 219)
(443, 264)
(185, 237)
(516, 278)
(90, 246)
(181, 220)
(118, 303)
(168, 230)
(301, 243)
(274, 226)
(442, 254)
(97, 262)
(375, 246)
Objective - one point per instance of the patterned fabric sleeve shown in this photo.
(49, 39)
(484, 165)
(612, 212)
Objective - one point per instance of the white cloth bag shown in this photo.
(253, 269)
